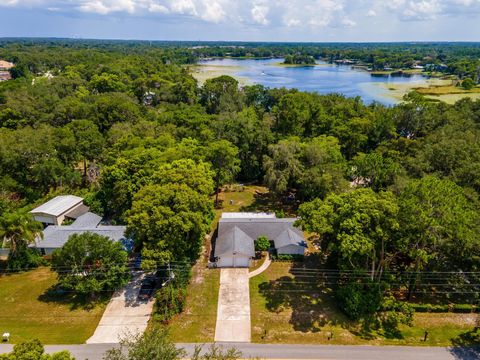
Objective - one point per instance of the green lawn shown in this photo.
(286, 316)
(26, 312)
(197, 322)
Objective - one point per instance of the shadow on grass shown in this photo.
(310, 300)
(309, 296)
(466, 346)
(267, 202)
(55, 294)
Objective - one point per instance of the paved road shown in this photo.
(233, 311)
(124, 314)
(321, 352)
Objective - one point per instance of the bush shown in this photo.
(24, 258)
(285, 257)
(170, 301)
(439, 308)
(422, 308)
(33, 350)
(463, 308)
(360, 300)
(262, 244)
(468, 84)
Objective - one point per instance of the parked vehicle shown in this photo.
(147, 288)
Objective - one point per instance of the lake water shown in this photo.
(324, 78)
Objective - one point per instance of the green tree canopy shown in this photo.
(359, 226)
(89, 263)
(169, 222)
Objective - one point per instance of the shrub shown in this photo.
(463, 308)
(24, 258)
(33, 350)
(262, 244)
(468, 84)
(285, 257)
(439, 308)
(422, 308)
(170, 301)
(359, 300)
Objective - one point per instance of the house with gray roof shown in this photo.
(235, 243)
(55, 236)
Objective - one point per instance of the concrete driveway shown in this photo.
(124, 315)
(233, 313)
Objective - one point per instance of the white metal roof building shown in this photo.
(57, 209)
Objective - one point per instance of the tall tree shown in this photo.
(18, 229)
(169, 222)
(88, 141)
(221, 94)
(359, 226)
(89, 263)
(225, 163)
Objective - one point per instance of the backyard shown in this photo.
(29, 311)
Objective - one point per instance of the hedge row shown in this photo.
(275, 257)
(456, 308)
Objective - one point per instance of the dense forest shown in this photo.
(392, 192)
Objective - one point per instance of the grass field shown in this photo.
(286, 316)
(197, 322)
(26, 311)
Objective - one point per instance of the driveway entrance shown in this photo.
(233, 313)
(124, 315)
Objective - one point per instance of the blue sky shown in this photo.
(249, 20)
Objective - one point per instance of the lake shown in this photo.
(323, 78)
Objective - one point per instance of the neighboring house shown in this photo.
(55, 236)
(5, 66)
(237, 232)
(56, 210)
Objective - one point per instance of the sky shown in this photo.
(244, 20)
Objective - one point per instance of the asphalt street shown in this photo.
(280, 351)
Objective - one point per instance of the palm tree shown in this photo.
(19, 228)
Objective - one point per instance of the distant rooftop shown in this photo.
(6, 65)
(58, 205)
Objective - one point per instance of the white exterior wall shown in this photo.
(46, 219)
(291, 250)
(233, 261)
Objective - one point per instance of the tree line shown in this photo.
(392, 192)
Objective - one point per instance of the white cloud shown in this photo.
(213, 12)
(272, 13)
(158, 8)
(259, 13)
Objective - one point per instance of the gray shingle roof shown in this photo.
(54, 237)
(88, 219)
(235, 241)
(281, 231)
(289, 237)
(58, 205)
